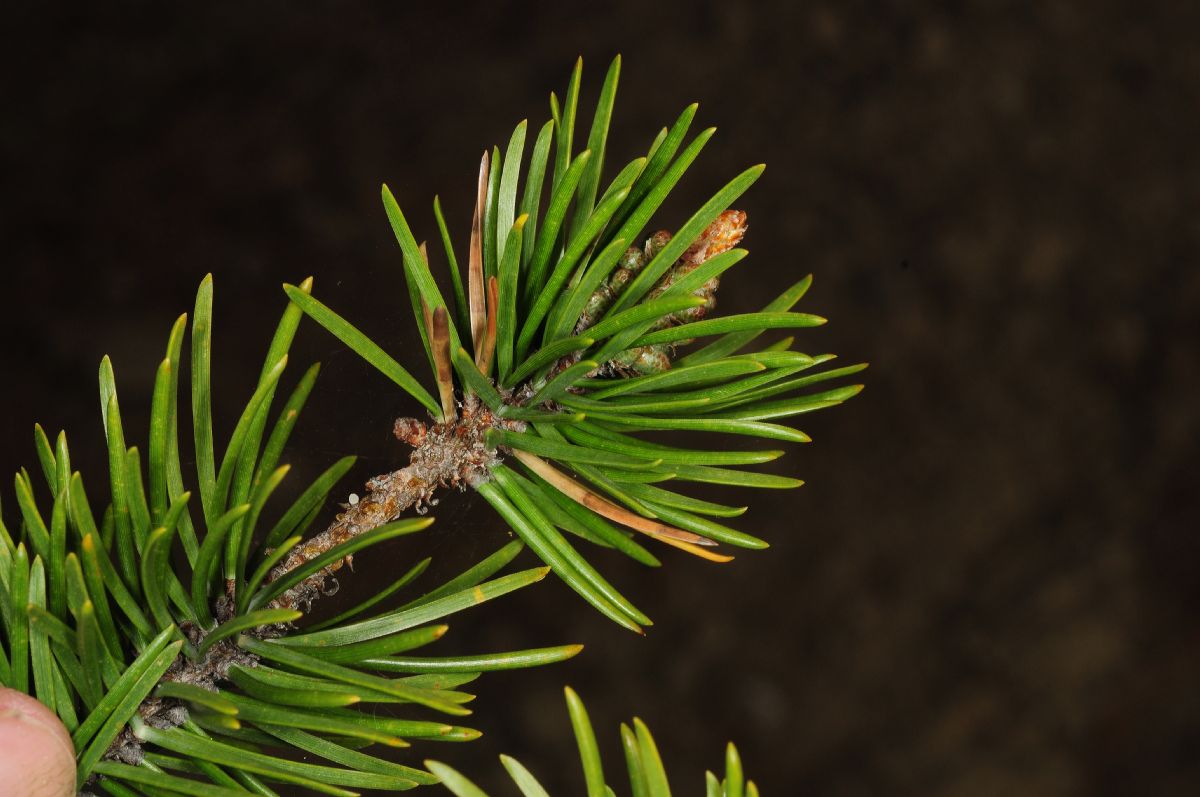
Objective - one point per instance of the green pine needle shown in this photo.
(644, 772)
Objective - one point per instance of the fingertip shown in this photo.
(37, 758)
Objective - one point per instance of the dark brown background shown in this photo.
(989, 585)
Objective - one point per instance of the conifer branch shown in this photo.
(584, 312)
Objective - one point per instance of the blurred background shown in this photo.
(989, 584)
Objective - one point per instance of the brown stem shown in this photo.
(450, 454)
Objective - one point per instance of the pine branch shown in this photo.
(611, 320)
(577, 317)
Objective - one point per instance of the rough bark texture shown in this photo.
(444, 455)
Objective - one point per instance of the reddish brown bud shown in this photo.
(723, 234)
